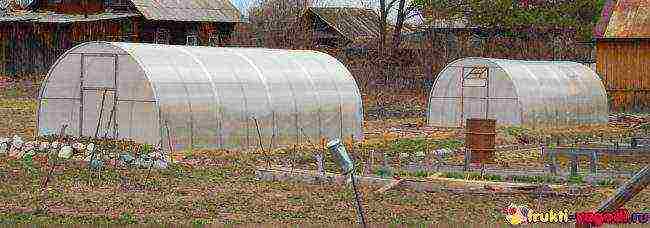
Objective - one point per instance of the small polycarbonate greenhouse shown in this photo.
(188, 97)
(528, 93)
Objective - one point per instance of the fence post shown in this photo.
(594, 162)
(574, 163)
(321, 166)
(553, 158)
(369, 163)
(467, 160)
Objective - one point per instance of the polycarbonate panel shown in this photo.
(202, 97)
(64, 82)
(97, 108)
(259, 112)
(307, 101)
(230, 109)
(532, 93)
(351, 107)
(474, 108)
(143, 127)
(59, 112)
(173, 94)
(132, 81)
(277, 78)
(99, 71)
(330, 97)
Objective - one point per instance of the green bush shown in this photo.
(609, 182)
(535, 179)
(576, 179)
(127, 218)
(384, 172)
(454, 175)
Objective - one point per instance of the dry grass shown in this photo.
(228, 193)
(219, 187)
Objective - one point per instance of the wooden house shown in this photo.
(31, 39)
(341, 26)
(623, 53)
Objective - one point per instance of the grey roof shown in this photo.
(353, 23)
(458, 23)
(188, 10)
(51, 17)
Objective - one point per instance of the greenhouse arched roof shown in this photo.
(186, 97)
(515, 92)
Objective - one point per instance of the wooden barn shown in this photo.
(341, 26)
(32, 37)
(623, 53)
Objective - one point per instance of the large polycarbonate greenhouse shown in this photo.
(187, 97)
(528, 93)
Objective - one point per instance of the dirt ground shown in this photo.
(222, 188)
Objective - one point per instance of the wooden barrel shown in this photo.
(480, 139)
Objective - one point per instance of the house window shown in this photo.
(215, 40)
(192, 37)
(192, 40)
(116, 2)
(162, 36)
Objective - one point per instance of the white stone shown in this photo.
(65, 152)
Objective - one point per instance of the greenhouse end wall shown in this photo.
(514, 92)
(188, 97)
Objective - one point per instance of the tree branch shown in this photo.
(390, 5)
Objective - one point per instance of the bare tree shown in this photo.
(405, 11)
(277, 23)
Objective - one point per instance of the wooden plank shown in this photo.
(599, 150)
(389, 186)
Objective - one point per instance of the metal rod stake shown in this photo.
(360, 215)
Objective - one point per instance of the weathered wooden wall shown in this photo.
(29, 49)
(72, 6)
(624, 66)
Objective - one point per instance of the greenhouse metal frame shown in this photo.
(516, 92)
(189, 97)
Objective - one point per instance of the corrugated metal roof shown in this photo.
(51, 17)
(624, 19)
(353, 23)
(188, 10)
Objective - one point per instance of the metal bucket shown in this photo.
(480, 140)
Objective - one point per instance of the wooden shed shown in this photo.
(623, 53)
(341, 26)
(32, 38)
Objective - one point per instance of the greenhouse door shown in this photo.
(98, 95)
(99, 112)
(474, 89)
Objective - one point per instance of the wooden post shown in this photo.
(553, 158)
(574, 164)
(593, 165)
(368, 168)
(467, 160)
(321, 164)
